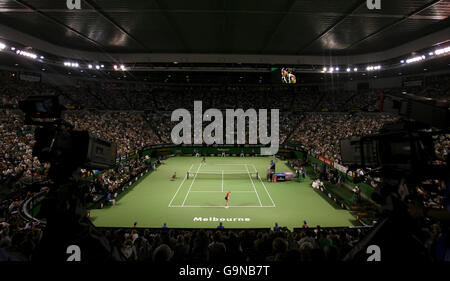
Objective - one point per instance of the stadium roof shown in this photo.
(256, 27)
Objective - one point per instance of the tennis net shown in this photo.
(222, 175)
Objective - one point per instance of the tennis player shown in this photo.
(227, 197)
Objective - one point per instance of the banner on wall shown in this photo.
(325, 160)
(340, 168)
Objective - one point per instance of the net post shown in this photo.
(187, 175)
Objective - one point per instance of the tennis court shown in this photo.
(196, 198)
(211, 181)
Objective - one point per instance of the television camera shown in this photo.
(402, 156)
(64, 206)
(60, 145)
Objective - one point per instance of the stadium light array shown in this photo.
(372, 68)
(121, 67)
(415, 59)
(2, 46)
(96, 66)
(442, 51)
(349, 69)
(71, 64)
(422, 57)
(332, 69)
(26, 54)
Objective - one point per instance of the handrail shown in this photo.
(29, 204)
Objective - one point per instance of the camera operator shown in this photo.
(403, 157)
(64, 207)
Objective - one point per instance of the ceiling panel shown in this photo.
(38, 26)
(285, 27)
(398, 34)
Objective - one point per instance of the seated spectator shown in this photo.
(163, 253)
(276, 227)
(111, 199)
(279, 249)
(217, 249)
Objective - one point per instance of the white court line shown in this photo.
(240, 189)
(191, 184)
(227, 173)
(180, 186)
(227, 164)
(266, 191)
(219, 171)
(248, 172)
(265, 188)
(193, 206)
(221, 191)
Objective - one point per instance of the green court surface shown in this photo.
(198, 200)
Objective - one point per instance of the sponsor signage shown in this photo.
(217, 219)
(340, 168)
(325, 160)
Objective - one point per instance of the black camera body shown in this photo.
(404, 148)
(64, 206)
(402, 155)
(58, 143)
(399, 150)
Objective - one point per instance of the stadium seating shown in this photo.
(136, 118)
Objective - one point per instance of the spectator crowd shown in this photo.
(320, 133)
(221, 246)
(135, 118)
